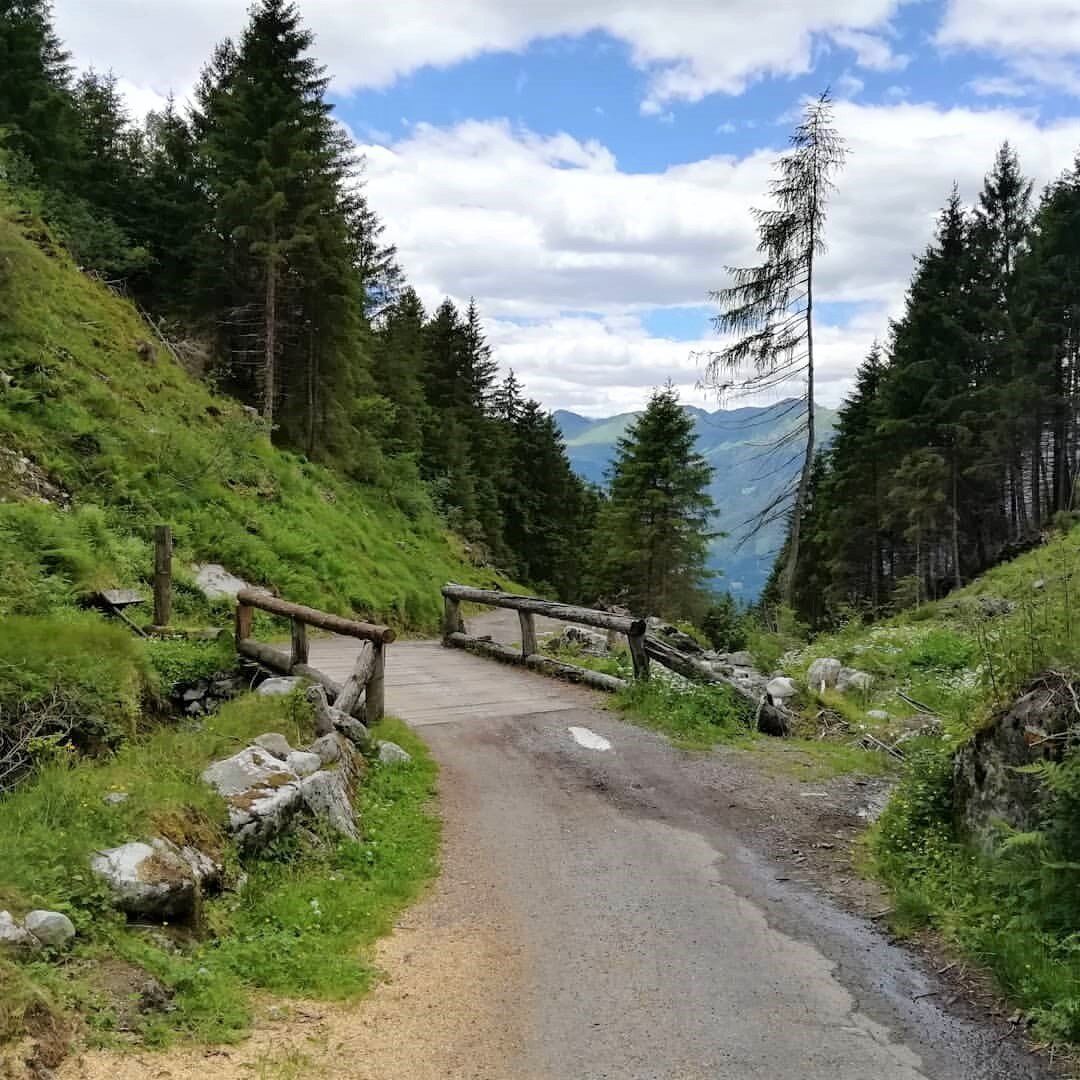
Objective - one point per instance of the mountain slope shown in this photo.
(750, 470)
(103, 435)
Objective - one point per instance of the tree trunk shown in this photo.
(957, 580)
(269, 339)
(801, 495)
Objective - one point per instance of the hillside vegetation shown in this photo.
(965, 659)
(118, 441)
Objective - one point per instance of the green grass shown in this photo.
(139, 442)
(951, 657)
(695, 717)
(301, 925)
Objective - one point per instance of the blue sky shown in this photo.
(586, 168)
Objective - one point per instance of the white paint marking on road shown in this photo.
(589, 739)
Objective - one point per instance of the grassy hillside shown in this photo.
(966, 658)
(98, 443)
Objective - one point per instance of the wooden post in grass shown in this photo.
(162, 576)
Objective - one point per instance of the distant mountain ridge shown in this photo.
(749, 471)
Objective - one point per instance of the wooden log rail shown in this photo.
(365, 687)
(770, 718)
(527, 608)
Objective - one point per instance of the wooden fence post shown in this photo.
(299, 642)
(451, 616)
(375, 698)
(162, 575)
(528, 633)
(639, 656)
(244, 616)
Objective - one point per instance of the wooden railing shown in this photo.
(367, 678)
(527, 608)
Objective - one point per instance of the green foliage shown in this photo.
(725, 626)
(1015, 909)
(653, 533)
(67, 679)
(696, 717)
(179, 660)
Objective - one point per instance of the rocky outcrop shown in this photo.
(13, 937)
(673, 636)
(989, 788)
(267, 784)
(216, 583)
(326, 795)
(583, 639)
(200, 697)
(851, 680)
(156, 880)
(823, 673)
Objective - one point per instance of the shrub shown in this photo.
(70, 679)
(725, 625)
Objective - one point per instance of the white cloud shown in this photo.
(999, 86)
(566, 252)
(690, 48)
(1040, 26)
(1038, 39)
(871, 51)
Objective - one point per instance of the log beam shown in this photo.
(382, 635)
(546, 665)
(605, 620)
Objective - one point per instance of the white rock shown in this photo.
(261, 791)
(254, 767)
(259, 816)
(740, 659)
(304, 764)
(13, 936)
(155, 880)
(877, 714)
(328, 748)
(852, 679)
(823, 672)
(216, 582)
(326, 795)
(781, 688)
(274, 744)
(115, 798)
(279, 686)
(51, 928)
(392, 754)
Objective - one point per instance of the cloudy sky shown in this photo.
(585, 168)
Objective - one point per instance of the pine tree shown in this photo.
(1050, 297)
(772, 305)
(37, 115)
(399, 365)
(173, 213)
(275, 167)
(653, 535)
(999, 235)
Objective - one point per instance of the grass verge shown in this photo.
(301, 924)
(693, 717)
